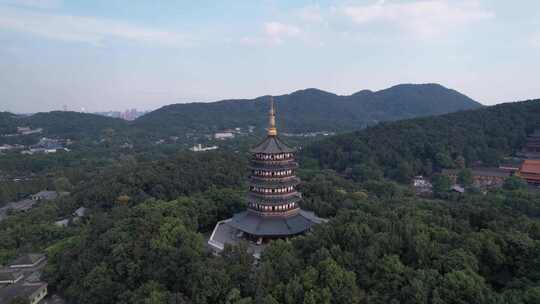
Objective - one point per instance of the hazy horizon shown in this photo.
(115, 55)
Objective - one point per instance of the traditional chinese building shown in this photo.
(530, 171)
(273, 209)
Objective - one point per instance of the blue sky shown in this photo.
(111, 55)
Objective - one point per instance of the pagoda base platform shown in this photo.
(258, 230)
(274, 226)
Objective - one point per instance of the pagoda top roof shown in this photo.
(272, 144)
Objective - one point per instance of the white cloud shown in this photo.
(535, 40)
(90, 30)
(274, 33)
(279, 31)
(422, 18)
(311, 14)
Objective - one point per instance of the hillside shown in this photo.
(419, 146)
(60, 123)
(311, 110)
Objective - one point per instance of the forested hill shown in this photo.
(418, 146)
(62, 123)
(311, 110)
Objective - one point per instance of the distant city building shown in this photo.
(273, 202)
(200, 148)
(223, 135)
(129, 114)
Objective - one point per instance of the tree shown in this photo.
(62, 184)
(441, 184)
(514, 183)
(465, 177)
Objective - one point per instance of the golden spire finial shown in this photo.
(272, 131)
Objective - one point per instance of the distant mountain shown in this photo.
(311, 110)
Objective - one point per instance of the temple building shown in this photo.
(530, 171)
(273, 209)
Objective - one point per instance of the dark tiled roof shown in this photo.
(272, 144)
(19, 290)
(254, 224)
(10, 275)
(28, 259)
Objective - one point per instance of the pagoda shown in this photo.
(273, 209)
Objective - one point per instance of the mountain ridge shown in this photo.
(313, 109)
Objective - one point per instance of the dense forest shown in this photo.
(381, 246)
(144, 238)
(399, 150)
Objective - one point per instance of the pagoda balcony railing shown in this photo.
(274, 193)
(269, 159)
(273, 162)
(273, 166)
(279, 179)
(275, 213)
(274, 201)
(274, 196)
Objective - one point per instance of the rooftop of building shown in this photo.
(22, 205)
(27, 260)
(530, 166)
(80, 212)
(272, 144)
(25, 290)
(274, 226)
(46, 195)
(10, 275)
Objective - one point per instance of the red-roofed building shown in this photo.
(530, 171)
